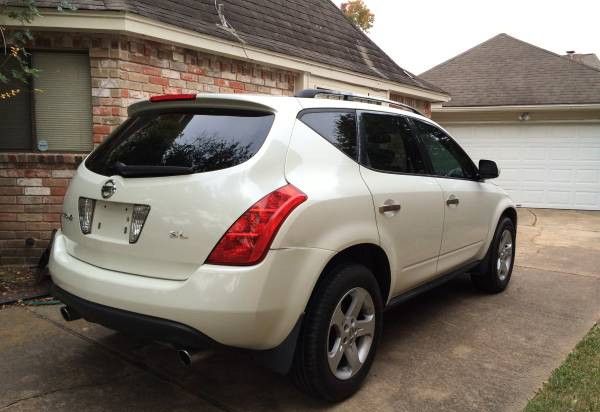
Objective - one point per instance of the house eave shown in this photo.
(135, 25)
(513, 108)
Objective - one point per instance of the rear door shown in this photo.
(179, 178)
(408, 204)
(467, 205)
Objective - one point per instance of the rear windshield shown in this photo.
(180, 142)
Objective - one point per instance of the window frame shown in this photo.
(301, 113)
(427, 157)
(30, 89)
(362, 144)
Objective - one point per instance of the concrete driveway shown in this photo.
(450, 349)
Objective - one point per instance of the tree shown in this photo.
(14, 57)
(358, 13)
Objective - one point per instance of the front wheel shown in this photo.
(340, 334)
(495, 272)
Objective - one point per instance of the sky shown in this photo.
(420, 34)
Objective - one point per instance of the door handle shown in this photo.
(393, 207)
(452, 200)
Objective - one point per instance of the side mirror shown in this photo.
(488, 169)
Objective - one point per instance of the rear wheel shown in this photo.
(495, 272)
(340, 334)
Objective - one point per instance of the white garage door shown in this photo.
(544, 165)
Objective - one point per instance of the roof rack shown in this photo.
(349, 96)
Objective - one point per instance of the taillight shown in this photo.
(138, 218)
(172, 97)
(248, 239)
(86, 214)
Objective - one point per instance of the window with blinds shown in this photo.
(54, 111)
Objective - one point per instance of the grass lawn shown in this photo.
(575, 386)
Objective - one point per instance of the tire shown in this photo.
(321, 337)
(495, 271)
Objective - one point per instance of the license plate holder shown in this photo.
(112, 220)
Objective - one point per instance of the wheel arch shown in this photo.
(368, 254)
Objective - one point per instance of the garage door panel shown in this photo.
(555, 166)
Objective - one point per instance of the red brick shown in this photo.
(152, 71)
(159, 80)
(14, 190)
(55, 182)
(236, 85)
(101, 129)
(29, 173)
(58, 191)
(12, 208)
(8, 217)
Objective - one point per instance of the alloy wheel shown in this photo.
(505, 255)
(351, 333)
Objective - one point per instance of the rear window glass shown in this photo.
(198, 141)
(338, 127)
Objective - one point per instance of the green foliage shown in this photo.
(14, 58)
(358, 13)
(575, 385)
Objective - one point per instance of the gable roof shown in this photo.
(315, 30)
(504, 71)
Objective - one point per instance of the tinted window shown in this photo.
(390, 144)
(447, 158)
(337, 127)
(203, 141)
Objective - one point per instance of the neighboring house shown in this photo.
(534, 112)
(108, 54)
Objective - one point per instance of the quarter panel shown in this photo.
(339, 210)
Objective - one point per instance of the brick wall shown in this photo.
(31, 194)
(123, 70)
(421, 105)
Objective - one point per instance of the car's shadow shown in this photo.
(232, 380)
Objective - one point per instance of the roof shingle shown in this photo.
(504, 71)
(312, 29)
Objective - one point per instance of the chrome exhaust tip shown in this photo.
(69, 314)
(188, 357)
(185, 357)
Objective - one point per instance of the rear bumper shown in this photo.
(246, 307)
(149, 327)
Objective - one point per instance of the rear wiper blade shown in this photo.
(148, 170)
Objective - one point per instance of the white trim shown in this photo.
(531, 108)
(513, 122)
(132, 24)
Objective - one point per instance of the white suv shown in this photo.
(280, 225)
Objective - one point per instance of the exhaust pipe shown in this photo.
(188, 357)
(69, 314)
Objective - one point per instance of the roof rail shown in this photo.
(327, 93)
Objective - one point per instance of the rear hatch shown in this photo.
(166, 186)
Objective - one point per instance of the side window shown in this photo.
(390, 144)
(338, 127)
(447, 158)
